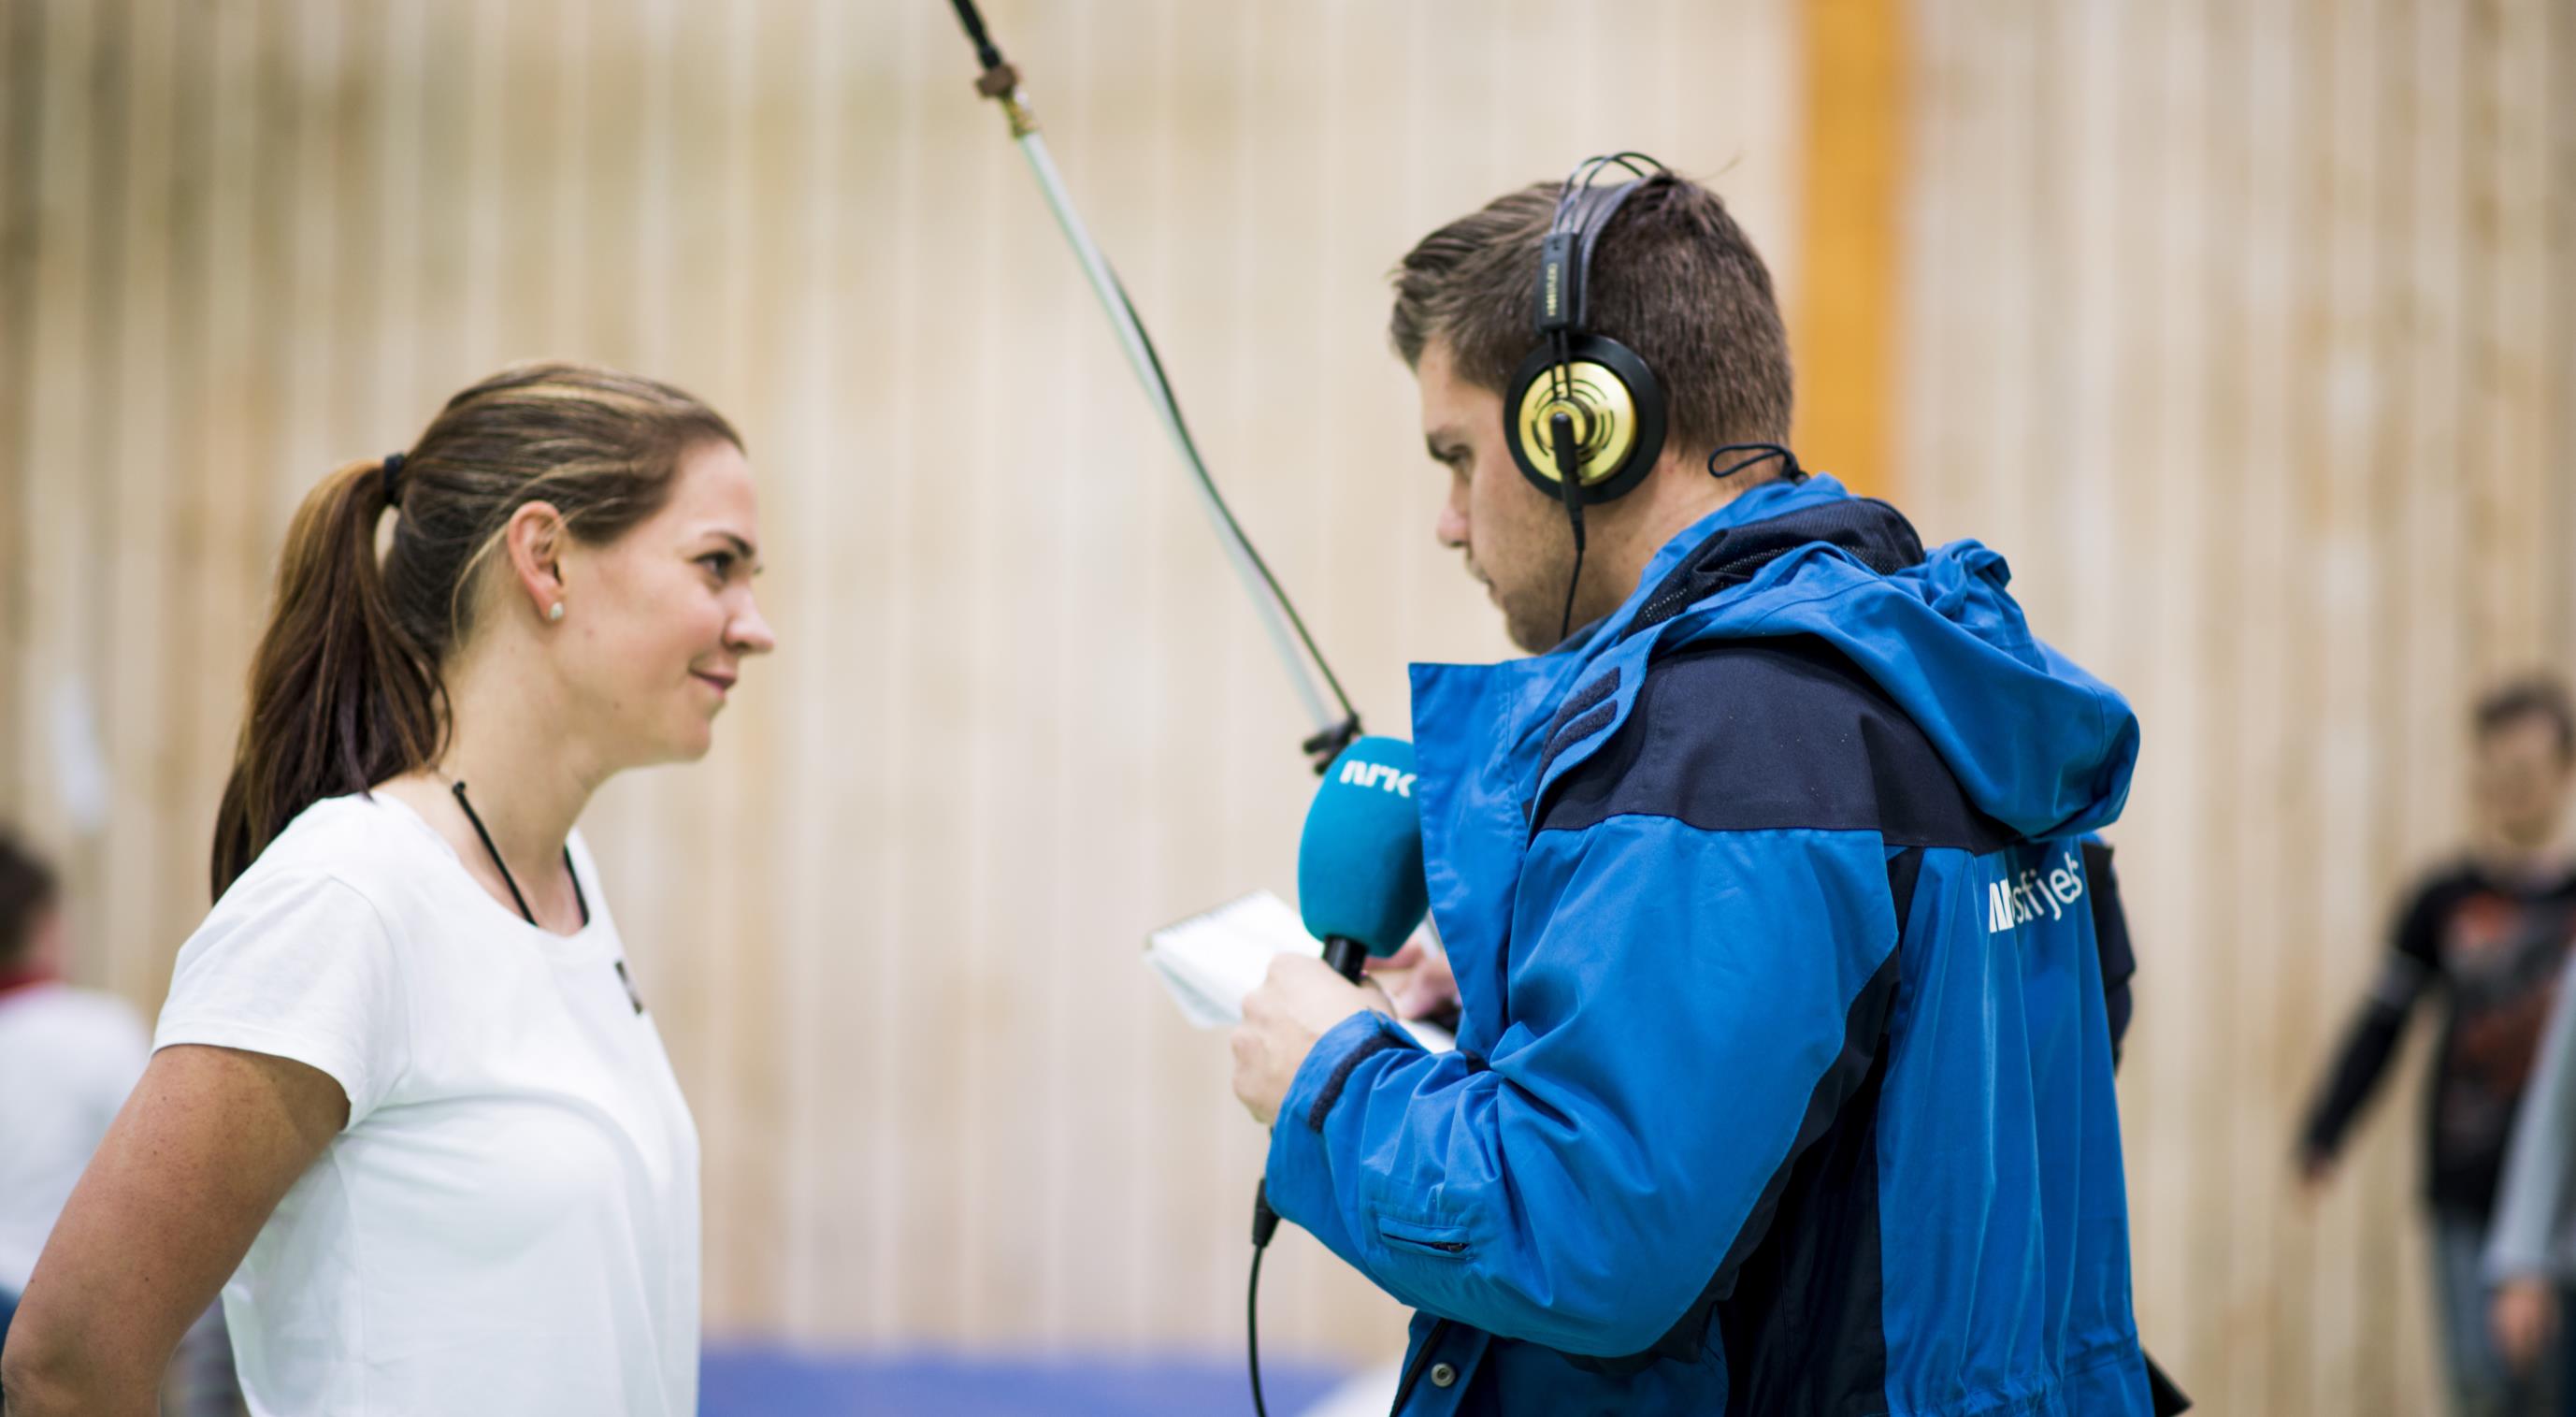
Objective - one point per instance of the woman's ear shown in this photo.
(537, 538)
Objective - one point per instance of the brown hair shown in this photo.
(345, 690)
(27, 889)
(1673, 278)
(2538, 696)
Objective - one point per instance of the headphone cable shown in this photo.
(1265, 1223)
(1569, 477)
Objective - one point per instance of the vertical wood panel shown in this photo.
(22, 61)
(1927, 309)
(808, 981)
(1854, 109)
(910, 379)
(93, 436)
(2200, 822)
(2239, 1155)
(132, 453)
(2254, 161)
(2181, 1080)
(63, 631)
(2513, 177)
(2561, 220)
(217, 583)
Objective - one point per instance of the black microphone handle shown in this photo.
(1345, 956)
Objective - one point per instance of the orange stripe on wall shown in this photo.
(1843, 320)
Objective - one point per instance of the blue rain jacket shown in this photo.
(1790, 977)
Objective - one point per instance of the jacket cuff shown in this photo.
(1300, 1172)
(2509, 1257)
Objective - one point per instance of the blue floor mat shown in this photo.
(740, 1380)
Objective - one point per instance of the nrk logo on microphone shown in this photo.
(1384, 776)
(1359, 864)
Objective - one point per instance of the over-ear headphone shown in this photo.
(1611, 403)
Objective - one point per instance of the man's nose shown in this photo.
(1451, 527)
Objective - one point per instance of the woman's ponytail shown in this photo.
(341, 695)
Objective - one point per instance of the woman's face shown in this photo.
(657, 623)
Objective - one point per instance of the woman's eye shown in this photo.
(718, 562)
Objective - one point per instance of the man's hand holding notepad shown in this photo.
(1211, 960)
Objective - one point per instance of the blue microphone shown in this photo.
(1359, 866)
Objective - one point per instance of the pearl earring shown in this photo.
(554, 611)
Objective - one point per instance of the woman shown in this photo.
(405, 1097)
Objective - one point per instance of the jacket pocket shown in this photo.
(1407, 1237)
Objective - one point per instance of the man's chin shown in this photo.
(1529, 637)
(1531, 627)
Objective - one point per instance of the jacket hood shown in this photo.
(2039, 744)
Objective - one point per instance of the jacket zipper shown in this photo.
(1413, 1371)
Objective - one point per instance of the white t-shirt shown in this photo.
(509, 1223)
(68, 1057)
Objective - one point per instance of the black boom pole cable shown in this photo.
(1336, 726)
(1001, 83)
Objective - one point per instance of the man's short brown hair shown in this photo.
(2535, 696)
(26, 892)
(1673, 278)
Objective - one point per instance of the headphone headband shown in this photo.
(1612, 400)
(1559, 300)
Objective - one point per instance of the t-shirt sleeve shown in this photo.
(298, 967)
(2531, 1200)
(2412, 965)
(2418, 934)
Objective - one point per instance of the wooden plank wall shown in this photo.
(2244, 330)
(1020, 717)
(1853, 132)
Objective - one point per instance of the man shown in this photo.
(68, 1057)
(1787, 971)
(2490, 930)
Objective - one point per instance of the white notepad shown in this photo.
(1211, 960)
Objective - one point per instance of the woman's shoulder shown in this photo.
(369, 844)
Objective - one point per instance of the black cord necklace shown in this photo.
(512, 881)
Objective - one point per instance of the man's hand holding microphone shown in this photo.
(1360, 890)
(1299, 1002)
(1303, 997)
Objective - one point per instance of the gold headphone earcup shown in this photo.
(1618, 413)
(1604, 414)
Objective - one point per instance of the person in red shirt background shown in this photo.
(2486, 932)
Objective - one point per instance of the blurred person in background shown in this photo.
(408, 1112)
(2488, 932)
(2531, 1252)
(68, 1057)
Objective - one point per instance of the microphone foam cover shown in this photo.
(1359, 865)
